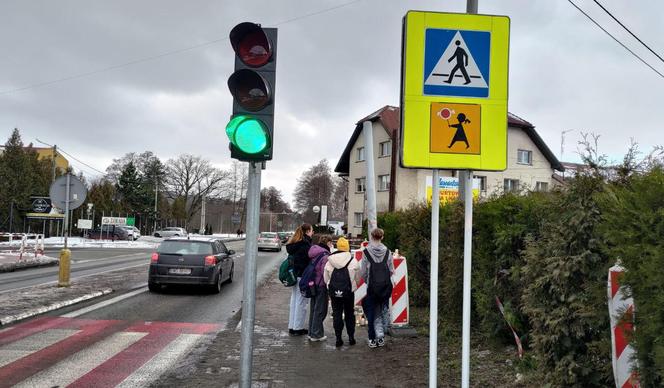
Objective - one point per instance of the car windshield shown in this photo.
(185, 247)
(283, 234)
(268, 235)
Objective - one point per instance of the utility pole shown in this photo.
(202, 228)
(156, 188)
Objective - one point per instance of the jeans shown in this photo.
(378, 317)
(298, 308)
(343, 310)
(317, 313)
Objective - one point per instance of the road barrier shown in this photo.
(24, 246)
(621, 311)
(399, 305)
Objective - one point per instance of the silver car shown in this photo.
(269, 240)
(170, 232)
(133, 232)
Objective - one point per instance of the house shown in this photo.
(530, 166)
(47, 153)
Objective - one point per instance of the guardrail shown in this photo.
(23, 240)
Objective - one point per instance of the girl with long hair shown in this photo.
(298, 249)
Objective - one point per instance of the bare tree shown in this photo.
(314, 187)
(191, 178)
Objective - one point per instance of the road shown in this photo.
(85, 261)
(123, 340)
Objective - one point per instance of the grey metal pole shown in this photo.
(67, 215)
(467, 266)
(372, 223)
(249, 286)
(471, 8)
(156, 199)
(201, 230)
(433, 293)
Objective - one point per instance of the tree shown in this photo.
(314, 188)
(272, 200)
(190, 178)
(134, 195)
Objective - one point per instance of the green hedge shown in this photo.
(546, 256)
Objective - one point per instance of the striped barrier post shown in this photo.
(399, 304)
(621, 312)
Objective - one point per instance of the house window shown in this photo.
(511, 185)
(541, 186)
(358, 219)
(524, 157)
(482, 181)
(385, 148)
(360, 154)
(360, 185)
(383, 182)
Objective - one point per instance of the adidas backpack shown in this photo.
(340, 286)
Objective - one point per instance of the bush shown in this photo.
(634, 229)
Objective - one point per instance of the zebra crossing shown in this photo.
(73, 352)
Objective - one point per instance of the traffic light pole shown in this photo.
(249, 286)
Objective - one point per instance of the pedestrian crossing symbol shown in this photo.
(456, 63)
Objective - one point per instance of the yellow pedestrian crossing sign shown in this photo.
(454, 91)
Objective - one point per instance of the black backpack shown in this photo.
(340, 286)
(380, 279)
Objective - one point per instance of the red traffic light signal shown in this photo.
(251, 44)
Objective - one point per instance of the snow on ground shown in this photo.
(144, 242)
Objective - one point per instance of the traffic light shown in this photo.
(251, 127)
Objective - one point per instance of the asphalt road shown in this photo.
(85, 261)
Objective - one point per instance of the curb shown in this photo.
(30, 313)
(11, 267)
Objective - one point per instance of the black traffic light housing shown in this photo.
(252, 85)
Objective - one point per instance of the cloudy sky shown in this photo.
(103, 78)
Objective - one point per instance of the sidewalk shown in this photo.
(284, 361)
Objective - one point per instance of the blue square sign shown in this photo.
(456, 63)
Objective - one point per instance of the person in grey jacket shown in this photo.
(376, 303)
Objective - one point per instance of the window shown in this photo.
(358, 219)
(524, 157)
(383, 182)
(385, 149)
(541, 186)
(360, 154)
(360, 185)
(511, 185)
(482, 181)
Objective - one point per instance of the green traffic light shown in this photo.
(248, 134)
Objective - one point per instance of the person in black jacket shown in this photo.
(298, 248)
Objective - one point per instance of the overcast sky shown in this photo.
(338, 60)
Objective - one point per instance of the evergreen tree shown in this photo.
(16, 181)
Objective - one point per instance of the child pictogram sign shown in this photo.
(455, 128)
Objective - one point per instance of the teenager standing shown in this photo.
(298, 249)
(318, 308)
(376, 268)
(342, 273)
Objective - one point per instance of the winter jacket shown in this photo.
(300, 253)
(377, 251)
(314, 252)
(338, 260)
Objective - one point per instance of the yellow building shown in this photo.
(47, 153)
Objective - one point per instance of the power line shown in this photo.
(165, 54)
(73, 157)
(628, 30)
(617, 41)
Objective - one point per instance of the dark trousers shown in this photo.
(317, 313)
(374, 309)
(343, 310)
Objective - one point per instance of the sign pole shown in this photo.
(467, 266)
(433, 288)
(249, 286)
(367, 131)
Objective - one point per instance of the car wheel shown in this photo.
(230, 276)
(157, 235)
(154, 287)
(216, 287)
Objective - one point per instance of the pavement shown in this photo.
(284, 361)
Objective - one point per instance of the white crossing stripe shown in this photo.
(73, 367)
(105, 303)
(31, 344)
(162, 362)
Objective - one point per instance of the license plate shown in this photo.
(180, 271)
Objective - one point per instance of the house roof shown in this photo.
(390, 116)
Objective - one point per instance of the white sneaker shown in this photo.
(372, 344)
(381, 342)
(323, 338)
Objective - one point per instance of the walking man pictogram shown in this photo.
(461, 62)
(460, 134)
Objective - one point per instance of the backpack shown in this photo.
(340, 286)
(308, 281)
(380, 282)
(286, 274)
